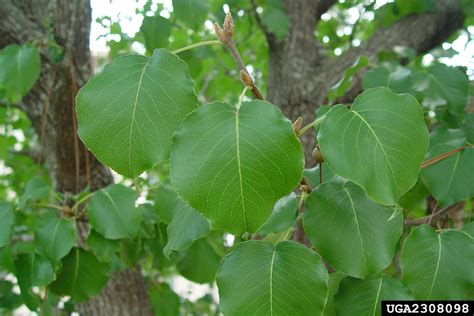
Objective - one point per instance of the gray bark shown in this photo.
(51, 108)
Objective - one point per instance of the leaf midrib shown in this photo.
(380, 144)
(117, 211)
(358, 229)
(237, 132)
(378, 295)
(132, 121)
(436, 268)
(271, 282)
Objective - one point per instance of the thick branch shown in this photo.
(419, 32)
(15, 26)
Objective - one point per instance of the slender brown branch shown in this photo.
(434, 160)
(225, 36)
(435, 216)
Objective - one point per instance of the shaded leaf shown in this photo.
(112, 212)
(19, 70)
(103, 248)
(201, 261)
(163, 300)
(32, 270)
(55, 237)
(81, 276)
(7, 218)
(186, 226)
(36, 189)
(283, 215)
(449, 180)
(342, 222)
(193, 13)
(156, 30)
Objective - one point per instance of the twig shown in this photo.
(434, 160)
(433, 217)
(225, 37)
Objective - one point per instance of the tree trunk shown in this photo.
(51, 108)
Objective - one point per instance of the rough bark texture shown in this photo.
(300, 73)
(50, 107)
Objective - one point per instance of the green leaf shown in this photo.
(201, 261)
(283, 215)
(131, 251)
(164, 301)
(469, 229)
(19, 70)
(128, 113)
(449, 180)
(334, 280)
(276, 21)
(103, 248)
(32, 270)
(55, 237)
(364, 297)
(7, 218)
(438, 266)
(448, 83)
(193, 13)
(379, 144)
(469, 127)
(397, 79)
(342, 222)
(340, 88)
(36, 189)
(258, 279)
(156, 30)
(112, 212)
(81, 276)
(186, 226)
(10, 300)
(165, 203)
(243, 161)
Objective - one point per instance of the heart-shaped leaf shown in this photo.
(259, 279)
(127, 114)
(342, 222)
(32, 270)
(81, 276)
(55, 237)
(20, 69)
(112, 212)
(438, 266)
(186, 226)
(379, 144)
(283, 215)
(232, 165)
